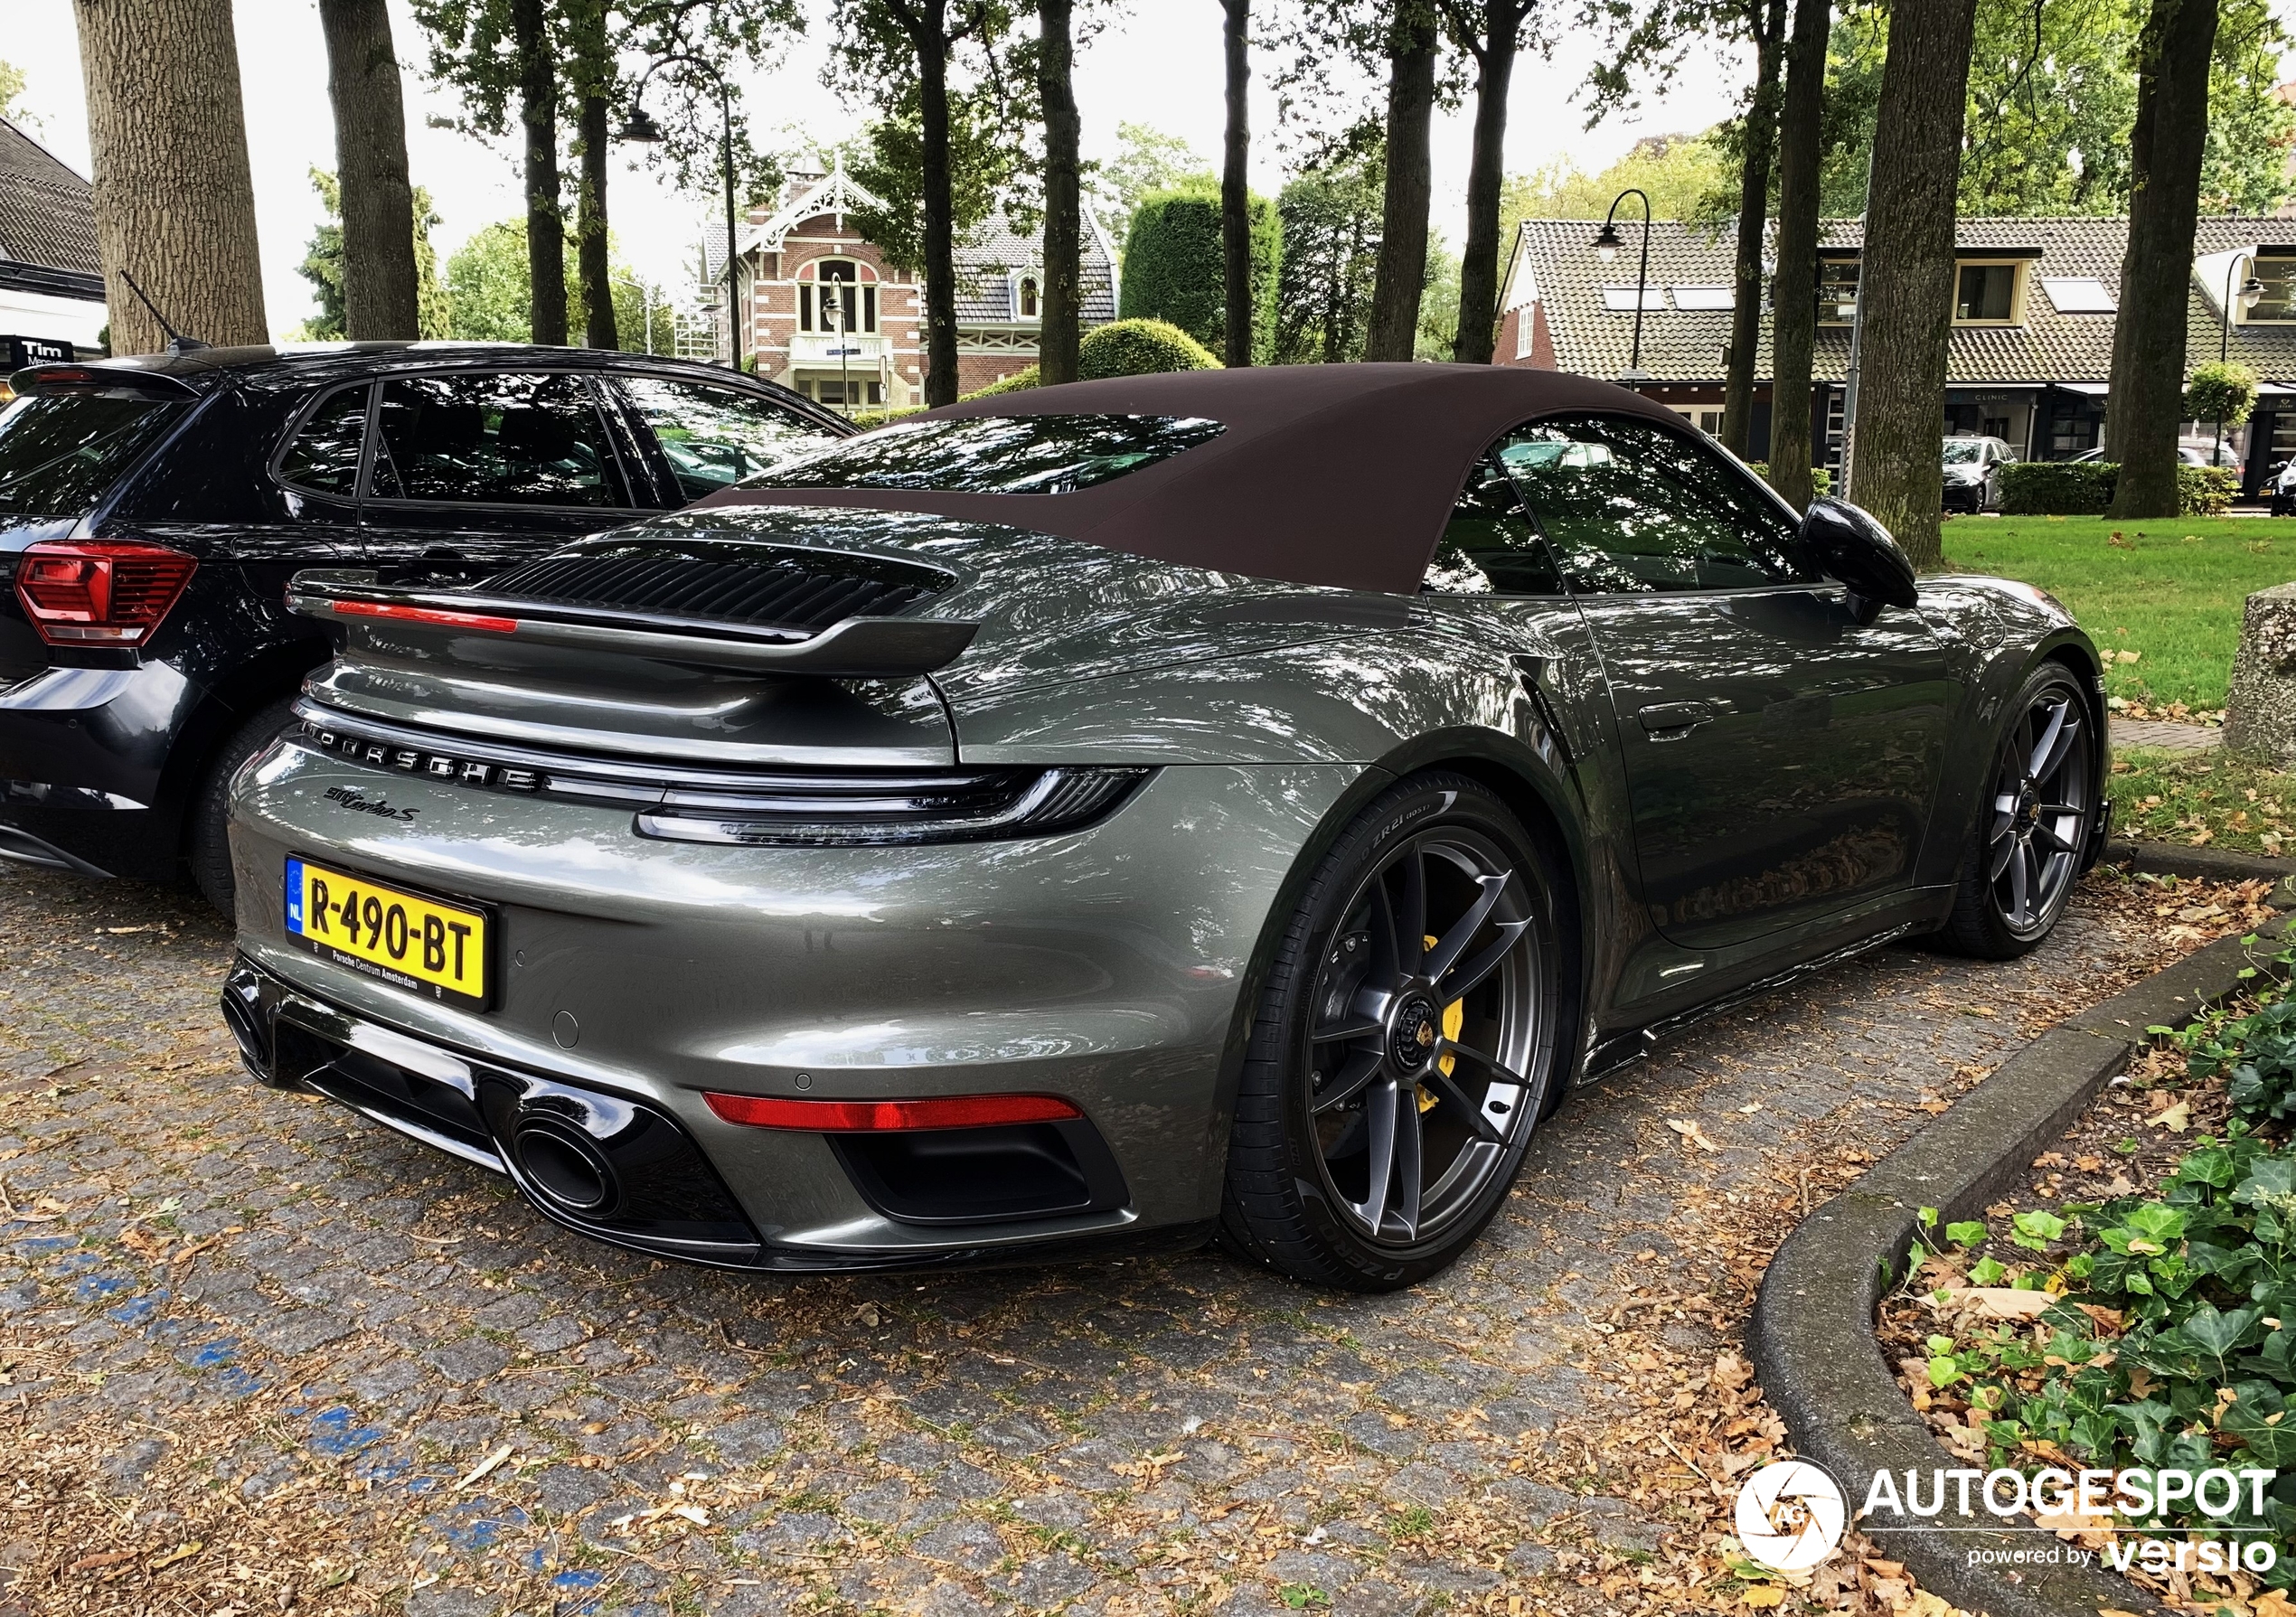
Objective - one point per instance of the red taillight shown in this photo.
(426, 615)
(99, 592)
(852, 1117)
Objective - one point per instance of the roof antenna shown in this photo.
(178, 343)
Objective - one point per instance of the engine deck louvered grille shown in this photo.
(776, 588)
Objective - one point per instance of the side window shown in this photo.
(1489, 547)
(323, 455)
(493, 440)
(714, 436)
(1631, 507)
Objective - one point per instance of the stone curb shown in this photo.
(1812, 1334)
(2212, 864)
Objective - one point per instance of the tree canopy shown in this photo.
(487, 299)
(322, 266)
(1174, 269)
(1147, 160)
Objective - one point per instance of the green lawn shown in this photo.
(2169, 592)
(2209, 799)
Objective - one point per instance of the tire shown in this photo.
(1373, 1053)
(207, 848)
(2026, 851)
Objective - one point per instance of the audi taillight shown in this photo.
(99, 592)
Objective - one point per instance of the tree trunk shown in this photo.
(1412, 46)
(1793, 315)
(1906, 292)
(1234, 193)
(2165, 150)
(537, 112)
(1753, 208)
(932, 42)
(174, 200)
(381, 287)
(1063, 199)
(591, 267)
(1486, 171)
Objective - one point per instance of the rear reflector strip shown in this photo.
(856, 1117)
(426, 614)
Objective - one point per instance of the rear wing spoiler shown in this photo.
(855, 646)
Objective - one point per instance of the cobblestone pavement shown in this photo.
(257, 1355)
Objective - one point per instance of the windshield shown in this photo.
(59, 452)
(1961, 451)
(996, 455)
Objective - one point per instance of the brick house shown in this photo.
(824, 313)
(2031, 359)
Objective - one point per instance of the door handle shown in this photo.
(1671, 720)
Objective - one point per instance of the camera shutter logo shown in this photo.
(1791, 1516)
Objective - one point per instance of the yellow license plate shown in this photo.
(422, 944)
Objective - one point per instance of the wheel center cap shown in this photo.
(1411, 1037)
(2028, 804)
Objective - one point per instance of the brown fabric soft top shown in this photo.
(1329, 474)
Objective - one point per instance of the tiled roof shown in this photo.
(1556, 263)
(47, 212)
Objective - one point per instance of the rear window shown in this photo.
(60, 452)
(996, 455)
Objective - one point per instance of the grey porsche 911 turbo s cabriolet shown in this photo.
(1237, 802)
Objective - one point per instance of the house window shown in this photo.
(1026, 300)
(837, 299)
(1985, 294)
(2277, 271)
(1837, 291)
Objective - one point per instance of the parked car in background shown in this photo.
(2191, 452)
(1242, 799)
(1974, 473)
(152, 509)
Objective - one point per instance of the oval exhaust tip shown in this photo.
(568, 1172)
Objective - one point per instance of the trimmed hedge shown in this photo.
(1176, 270)
(2057, 487)
(2084, 488)
(1139, 348)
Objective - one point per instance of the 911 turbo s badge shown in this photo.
(351, 798)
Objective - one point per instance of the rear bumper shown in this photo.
(83, 755)
(611, 1165)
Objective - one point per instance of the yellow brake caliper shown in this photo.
(1454, 1017)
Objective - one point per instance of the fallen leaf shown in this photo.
(2176, 1119)
(1689, 1129)
(485, 1466)
(1996, 1302)
(181, 1552)
(1764, 1594)
(109, 1559)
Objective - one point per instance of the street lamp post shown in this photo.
(643, 130)
(1606, 246)
(2250, 293)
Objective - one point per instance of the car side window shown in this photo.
(1631, 507)
(1489, 546)
(323, 455)
(715, 436)
(499, 439)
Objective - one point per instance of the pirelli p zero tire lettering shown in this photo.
(1405, 1046)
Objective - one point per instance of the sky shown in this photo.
(1159, 64)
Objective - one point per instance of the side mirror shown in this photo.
(1845, 542)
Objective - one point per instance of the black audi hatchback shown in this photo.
(152, 509)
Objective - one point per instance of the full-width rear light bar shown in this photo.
(863, 1117)
(100, 592)
(426, 614)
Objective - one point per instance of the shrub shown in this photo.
(867, 418)
(1019, 381)
(2205, 491)
(1139, 348)
(1175, 269)
(2220, 391)
(1820, 478)
(2057, 487)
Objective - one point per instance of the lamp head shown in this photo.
(642, 129)
(2251, 294)
(1607, 243)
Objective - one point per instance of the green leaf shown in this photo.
(1969, 1233)
(1986, 1272)
(1943, 1372)
(1928, 1217)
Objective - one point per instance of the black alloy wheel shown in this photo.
(2033, 828)
(1406, 1046)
